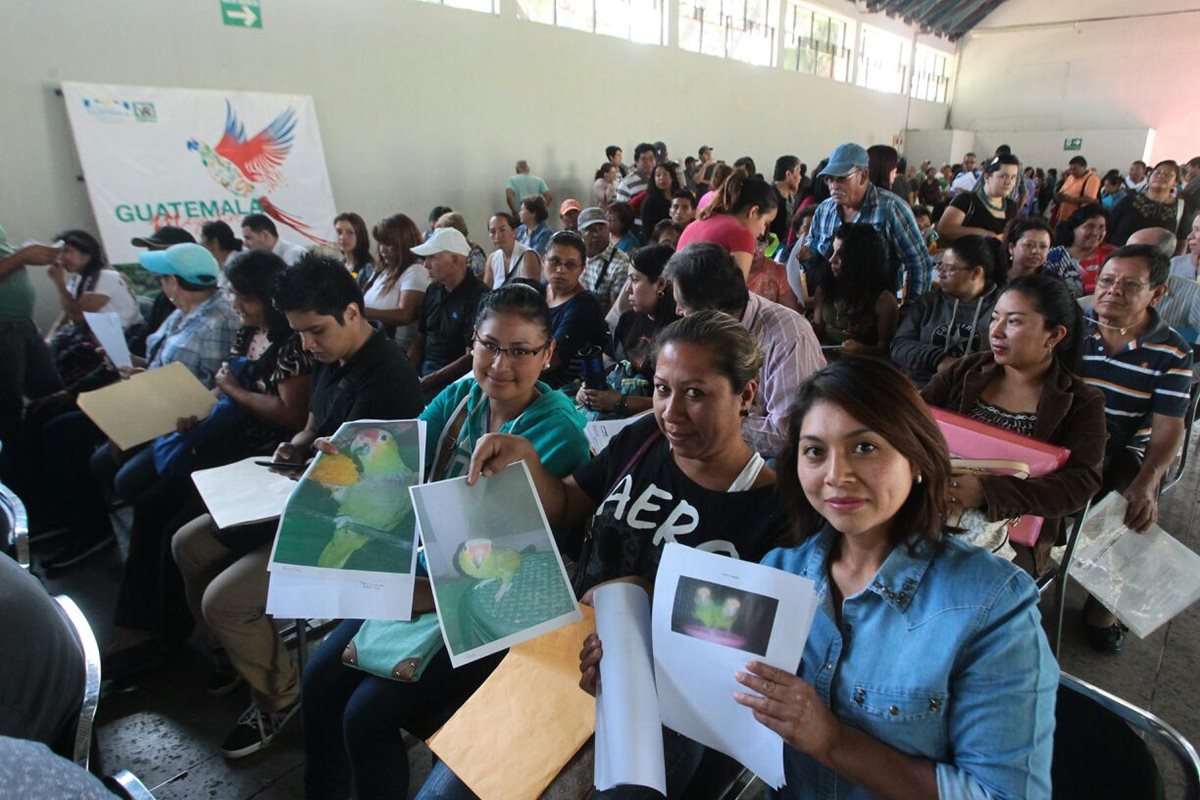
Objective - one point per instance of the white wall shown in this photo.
(418, 104)
(1030, 67)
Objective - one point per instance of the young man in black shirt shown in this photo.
(447, 319)
(362, 374)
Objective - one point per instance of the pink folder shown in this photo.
(969, 438)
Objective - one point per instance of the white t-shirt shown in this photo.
(965, 182)
(290, 253)
(413, 279)
(111, 284)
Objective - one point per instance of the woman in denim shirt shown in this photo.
(926, 673)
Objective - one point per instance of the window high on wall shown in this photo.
(816, 42)
(636, 20)
(740, 29)
(486, 6)
(882, 61)
(933, 70)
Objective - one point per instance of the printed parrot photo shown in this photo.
(479, 558)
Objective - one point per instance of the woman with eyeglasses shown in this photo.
(681, 474)
(949, 322)
(352, 719)
(1157, 207)
(1081, 250)
(986, 210)
(1029, 241)
(577, 320)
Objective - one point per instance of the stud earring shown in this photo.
(920, 478)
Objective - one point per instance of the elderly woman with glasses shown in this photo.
(353, 719)
(577, 319)
(986, 210)
(951, 321)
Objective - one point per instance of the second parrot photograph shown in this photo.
(723, 615)
(352, 509)
(495, 569)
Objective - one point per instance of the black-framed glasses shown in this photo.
(494, 350)
(554, 262)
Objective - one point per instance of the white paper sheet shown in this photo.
(243, 492)
(343, 516)
(495, 570)
(1144, 579)
(106, 327)
(599, 432)
(629, 745)
(712, 615)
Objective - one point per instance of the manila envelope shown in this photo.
(134, 411)
(526, 721)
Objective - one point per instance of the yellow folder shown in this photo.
(147, 405)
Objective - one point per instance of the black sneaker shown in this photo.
(1109, 639)
(256, 729)
(77, 553)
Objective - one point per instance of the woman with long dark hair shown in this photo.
(355, 245)
(657, 205)
(1027, 384)
(853, 307)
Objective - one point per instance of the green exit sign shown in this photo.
(1072, 144)
(241, 13)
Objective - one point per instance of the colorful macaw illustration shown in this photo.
(708, 612)
(365, 482)
(479, 558)
(250, 167)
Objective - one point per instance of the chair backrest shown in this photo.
(1098, 752)
(91, 680)
(15, 525)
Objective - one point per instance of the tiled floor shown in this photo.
(168, 731)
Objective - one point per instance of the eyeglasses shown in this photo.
(1127, 286)
(951, 270)
(841, 178)
(494, 350)
(554, 262)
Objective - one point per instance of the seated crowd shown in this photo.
(784, 339)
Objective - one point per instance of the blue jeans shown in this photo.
(128, 479)
(682, 756)
(353, 720)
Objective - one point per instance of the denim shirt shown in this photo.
(941, 656)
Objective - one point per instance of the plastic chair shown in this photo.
(1176, 473)
(1099, 750)
(16, 525)
(81, 753)
(1056, 576)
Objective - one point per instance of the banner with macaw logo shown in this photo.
(155, 156)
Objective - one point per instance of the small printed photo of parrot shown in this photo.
(485, 561)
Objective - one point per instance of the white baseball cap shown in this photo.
(444, 240)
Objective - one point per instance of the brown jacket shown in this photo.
(1070, 414)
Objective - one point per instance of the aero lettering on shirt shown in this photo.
(646, 513)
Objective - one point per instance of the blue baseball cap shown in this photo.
(189, 261)
(845, 159)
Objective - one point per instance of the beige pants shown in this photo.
(229, 592)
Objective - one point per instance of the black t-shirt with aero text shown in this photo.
(656, 503)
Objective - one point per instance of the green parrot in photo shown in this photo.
(479, 558)
(713, 615)
(372, 501)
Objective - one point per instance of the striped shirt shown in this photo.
(629, 187)
(791, 353)
(1150, 375)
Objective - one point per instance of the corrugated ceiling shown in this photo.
(950, 18)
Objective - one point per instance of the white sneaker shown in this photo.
(256, 729)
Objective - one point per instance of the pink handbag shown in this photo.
(971, 439)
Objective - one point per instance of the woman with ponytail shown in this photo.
(735, 219)
(986, 210)
(1028, 384)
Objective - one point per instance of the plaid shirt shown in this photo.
(908, 257)
(791, 353)
(200, 341)
(614, 276)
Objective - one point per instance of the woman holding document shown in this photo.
(1027, 384)
(352, 719)
(684, 472)
(926, 673)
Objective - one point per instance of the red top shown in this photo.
(720, 229)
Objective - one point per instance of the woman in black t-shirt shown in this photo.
(986, 210)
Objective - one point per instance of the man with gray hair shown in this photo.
(522, 185)
(1160, 238)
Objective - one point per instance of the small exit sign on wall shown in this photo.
(241, 13)
(1072, 144)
